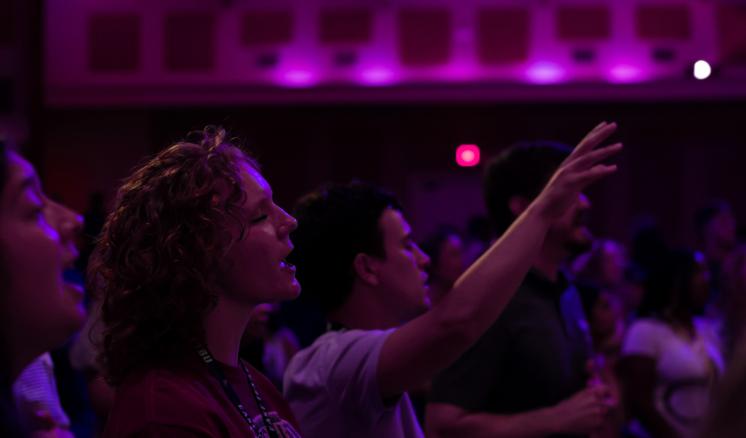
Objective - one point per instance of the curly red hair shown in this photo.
(155, 263)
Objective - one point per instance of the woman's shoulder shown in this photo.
(157, 388)
(162, 397)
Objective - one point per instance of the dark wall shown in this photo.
(678, 155)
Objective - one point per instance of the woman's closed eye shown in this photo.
(259, 219)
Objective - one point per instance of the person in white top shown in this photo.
(37, 399)
(354, 252)
(671, 358)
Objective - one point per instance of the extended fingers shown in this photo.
(595, 156)
(596, 172)
(594, 138)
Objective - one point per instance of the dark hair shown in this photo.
(733, 299)
(588, 268)
(4, 373)
(432, 245)
(668, 283)
(521, 170)
(707, 213)
(589, 294)
(4, 171)
(159, 252)
(335, 224)
(648, 245)
(479, 228)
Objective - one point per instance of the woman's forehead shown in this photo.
(255, 186)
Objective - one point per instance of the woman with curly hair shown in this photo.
(194, 242)
(39, 309)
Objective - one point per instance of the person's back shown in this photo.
(332, 385)
(532, 357)
(35, 392)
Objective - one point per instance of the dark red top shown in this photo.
(190, 402)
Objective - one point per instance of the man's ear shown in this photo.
(518, 204)
(366, 269)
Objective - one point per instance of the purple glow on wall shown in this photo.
(377, 76)
(625, 73)
(460, 71)
(467, 155)
(284, 47)
(297, 78)
(544, 72)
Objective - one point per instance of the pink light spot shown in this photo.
(467, 155)
(545, 73)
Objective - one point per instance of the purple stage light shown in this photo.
(702, 70)
(543, 72)
(377, 76)
(625, 74)
(297, 78)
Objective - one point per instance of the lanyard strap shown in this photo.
(218, 374)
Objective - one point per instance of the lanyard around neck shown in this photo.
(218, 374)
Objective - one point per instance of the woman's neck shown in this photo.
(224, 328)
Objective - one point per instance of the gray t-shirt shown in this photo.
(332, 388)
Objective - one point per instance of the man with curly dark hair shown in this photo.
(194, 242)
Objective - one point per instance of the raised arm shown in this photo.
(582, 413)
(419, 349)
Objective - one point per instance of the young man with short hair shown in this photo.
(354, 252)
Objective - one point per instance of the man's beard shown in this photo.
(580, 239)
(575, 247)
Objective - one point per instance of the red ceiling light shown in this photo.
(467, 155)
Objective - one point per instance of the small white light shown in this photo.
(702, 70)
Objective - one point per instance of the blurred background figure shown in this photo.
(478, 238)
(715, 228)
(38, 401)
(670, 357)
(83, 357)
(604, 266)
(733, 301)
(726, 417)
(447, 260)
(601, 276)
